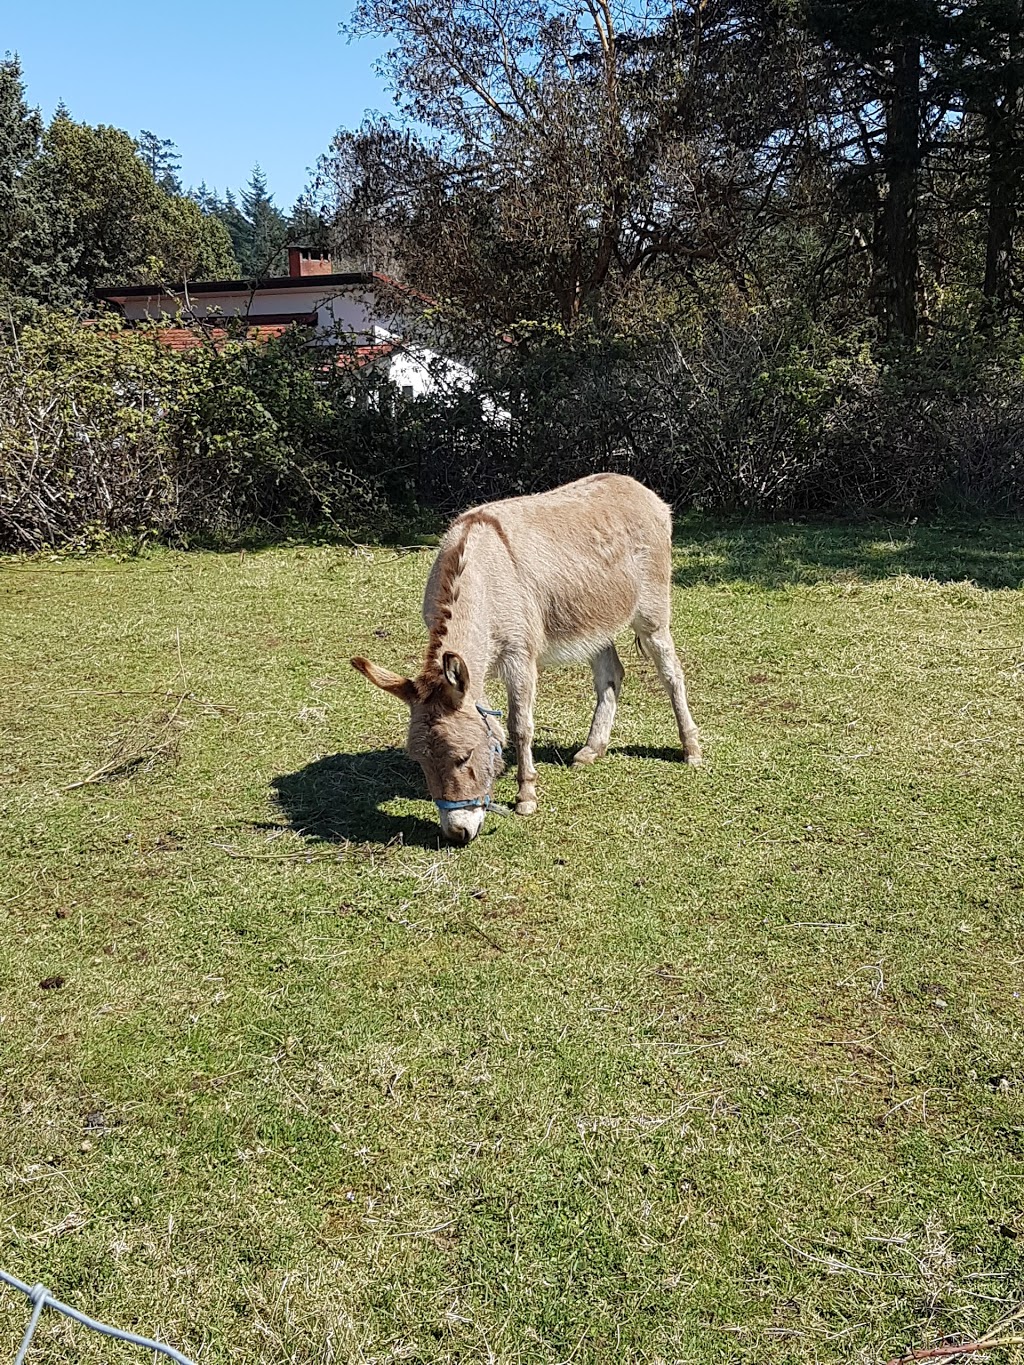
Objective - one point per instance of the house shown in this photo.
(372, 320)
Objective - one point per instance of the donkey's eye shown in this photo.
(461, 762)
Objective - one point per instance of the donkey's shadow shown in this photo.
(558, 756)
(339, 799)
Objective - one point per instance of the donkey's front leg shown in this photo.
(521, 681)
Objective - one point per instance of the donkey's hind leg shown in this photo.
(660, 649)
(608, 675)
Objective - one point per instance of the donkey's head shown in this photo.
(457, 742)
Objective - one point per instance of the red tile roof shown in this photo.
(187, 338)
(364, 355)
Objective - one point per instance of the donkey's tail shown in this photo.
(640, 647)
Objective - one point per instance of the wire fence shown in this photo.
(41, 1298)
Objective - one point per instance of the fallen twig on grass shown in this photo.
(164, 726)
(214, 707)
(949, 1352)
(814, 924)
(991, 1341)
(119, 767)
(481, 933)
(831, 1263)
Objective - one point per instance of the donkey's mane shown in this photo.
(452, 563)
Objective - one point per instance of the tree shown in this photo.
(258, 230)
(25, 206)
(110, 222)
(983, 64)
(266, 229)
(547, 157)
(109, 202)
(233, 220)
(160, 154)
(887, 60)
(188, 244)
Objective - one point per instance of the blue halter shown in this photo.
(485, 800)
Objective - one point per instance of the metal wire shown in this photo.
(41, 1298)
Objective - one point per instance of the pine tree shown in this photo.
(238, 228)
(267, 229)
(160, 154)
(25, 206)
(206, 198)
(983, 62)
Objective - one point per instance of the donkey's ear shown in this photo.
(456, 675)
(402, 688)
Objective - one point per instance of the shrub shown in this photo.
(773, 414)
(107, 431)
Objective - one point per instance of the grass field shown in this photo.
(704, 1066)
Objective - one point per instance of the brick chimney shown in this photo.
(307, 260)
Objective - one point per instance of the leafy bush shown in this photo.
(772, 414)
(83, 440)
(106, 431)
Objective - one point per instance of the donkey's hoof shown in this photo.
(585, 757)
(693, 756)
(526, 807)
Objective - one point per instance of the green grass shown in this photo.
(707, 1066)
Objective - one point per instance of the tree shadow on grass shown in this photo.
(778, 554)
(339, 799)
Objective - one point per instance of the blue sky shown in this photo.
(230, 83)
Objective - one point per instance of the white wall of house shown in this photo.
(416, 370)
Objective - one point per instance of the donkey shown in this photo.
(524, 584)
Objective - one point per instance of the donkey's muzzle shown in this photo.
(460, 826)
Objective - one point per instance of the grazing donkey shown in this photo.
(520, 585)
